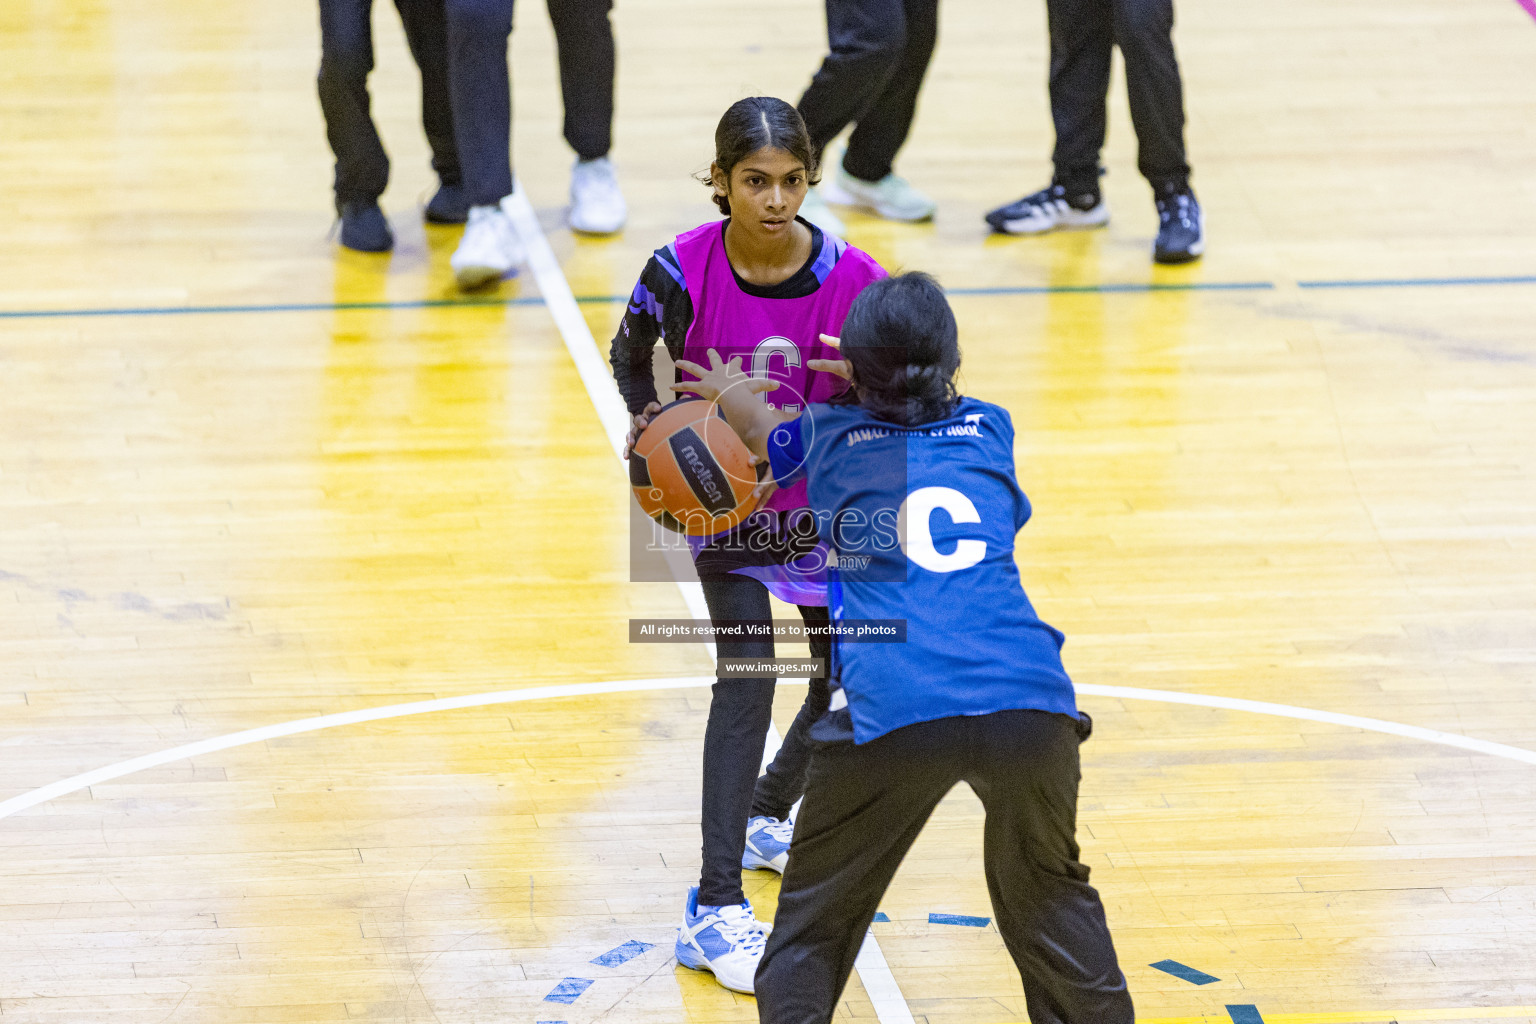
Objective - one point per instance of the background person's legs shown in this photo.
(426, 31)
(866, 41)
(883, 126)
(346, 58)
(1082, 36)
(481, 91)
(584, 38)
(1144, 32)
(864, 807)
(1024, 767)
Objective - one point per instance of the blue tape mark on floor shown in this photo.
(569, 990)
(1188, 974)
(549, 1022)
(1418, 282)
(1244, 1013)
(622, 954)
(960, 919)
(880, 917)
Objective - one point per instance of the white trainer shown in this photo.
(767, 844)
(892, 197)
(597, 205)
(489, 250)
(816, 210)
(726, 941)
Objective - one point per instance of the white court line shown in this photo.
(76, 783)
(880, 985)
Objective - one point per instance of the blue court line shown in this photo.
(1418, 282)
(1123, 288)
(569, 990)
(1131, 287)
(881, 918)
(1184, 973)
(622, 954)
(1244, 1013)
(959, 919)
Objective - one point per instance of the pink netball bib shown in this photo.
(775, 338)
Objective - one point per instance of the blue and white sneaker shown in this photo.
(726, 941)
(767, 844)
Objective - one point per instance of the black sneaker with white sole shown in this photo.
(1181, 229)
(1050, 209)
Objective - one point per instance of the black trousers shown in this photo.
(879, 54)
(1082, 34)
(346, 58)
(740, 711)
(864, 806)
(482, 89)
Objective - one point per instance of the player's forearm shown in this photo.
(751, 418)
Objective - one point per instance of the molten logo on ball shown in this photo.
(690, 472)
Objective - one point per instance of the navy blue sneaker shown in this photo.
(1050, 209)
(1181, 229)
(448, 205)
(364, 228)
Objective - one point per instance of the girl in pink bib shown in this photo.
(761, 286)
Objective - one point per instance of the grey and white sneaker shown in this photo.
(892, 197)
(816, 210)
(489, 250)
(597, 205)
(1050, 209)
(1181, 228)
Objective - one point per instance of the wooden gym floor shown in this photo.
(247, 478)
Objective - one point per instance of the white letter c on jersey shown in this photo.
(917, 540)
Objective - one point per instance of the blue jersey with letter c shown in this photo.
(922, 522)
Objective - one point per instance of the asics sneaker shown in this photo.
(892, 197)
(726, 941)
(767, 844)
(816, 210)
(597, 205)
(364, 227)
(1049, 209)
(1181, 229)
(489, 250)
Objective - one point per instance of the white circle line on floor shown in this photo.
(76, 783)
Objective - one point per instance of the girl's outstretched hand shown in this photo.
(837, 367)
(720, 378)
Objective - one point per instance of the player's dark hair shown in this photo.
(753, 123)
(900, 335)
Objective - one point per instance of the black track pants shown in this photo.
(879, 55)
(1082, 35)
(740, 711)
(346, 58)
(864, 807)
(482, 87)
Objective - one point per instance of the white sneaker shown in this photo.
(892, 197)
(597, 205)
(767, 844)
(816, 210)
(489, 250)
(726, 941)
